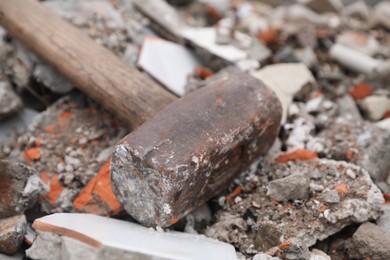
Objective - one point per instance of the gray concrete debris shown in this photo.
(347, 109)
(324, 6)
(21, 187)
(256, 223)
(384, 221)
(292, 187)
(165, 19)
(358, 142)
(295, 251)
(46, 246)
(10, 103)
(297, 82)
(16, 125)
(16, 256)
(79, 12)
(72, 134)
(50, 78)
(372, 242)
(107, 238)
(12, 232)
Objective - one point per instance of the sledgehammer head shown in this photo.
(193, 148)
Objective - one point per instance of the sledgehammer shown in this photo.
(183, 153)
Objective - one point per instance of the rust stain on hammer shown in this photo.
(193, 149)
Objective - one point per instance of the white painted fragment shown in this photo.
(134, 239)
(168, 62)
(206, 38)
(286, 80)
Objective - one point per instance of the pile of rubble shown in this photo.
(321, 192)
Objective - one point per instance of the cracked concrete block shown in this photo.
(10, 103)
(358, 142)
(256, 223)
(372, 242)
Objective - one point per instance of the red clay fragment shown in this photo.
(237, 191)
(55, 187)
(298, 154)
(32, 154)
(361, 91)
(341, 188)
(97, 194)
(65, 115)
(268, 37)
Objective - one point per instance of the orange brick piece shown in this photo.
(298, 154)
(32, 154)
(341, 188)
(361, 91)
(55, 187)
(97, 197)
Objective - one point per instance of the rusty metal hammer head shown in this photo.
(193, 148)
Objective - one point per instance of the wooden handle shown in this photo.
(92, 68)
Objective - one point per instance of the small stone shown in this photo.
(350, 174)
(384, 221)
(46, 246)
(316, 187)
(72, 161)
(12, 232)
(372, 242)
(324, 6)
(375, 106)
(291, 187)
(296, 251)
(331, 196)
(21, 187)
(10, 103)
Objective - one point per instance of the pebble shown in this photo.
(331, 196)
(372, 242)
(12, 232)
(10, 103)
(294, 186)
(21, 188)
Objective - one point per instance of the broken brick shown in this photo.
(298, 154)
(97, 197)
(361, 91)
(32, 154)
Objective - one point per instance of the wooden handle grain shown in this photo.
(92, 68)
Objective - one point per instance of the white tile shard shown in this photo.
(206, 38)
(287, 81)
(101, 232)
(375, 106)
(168, 62)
